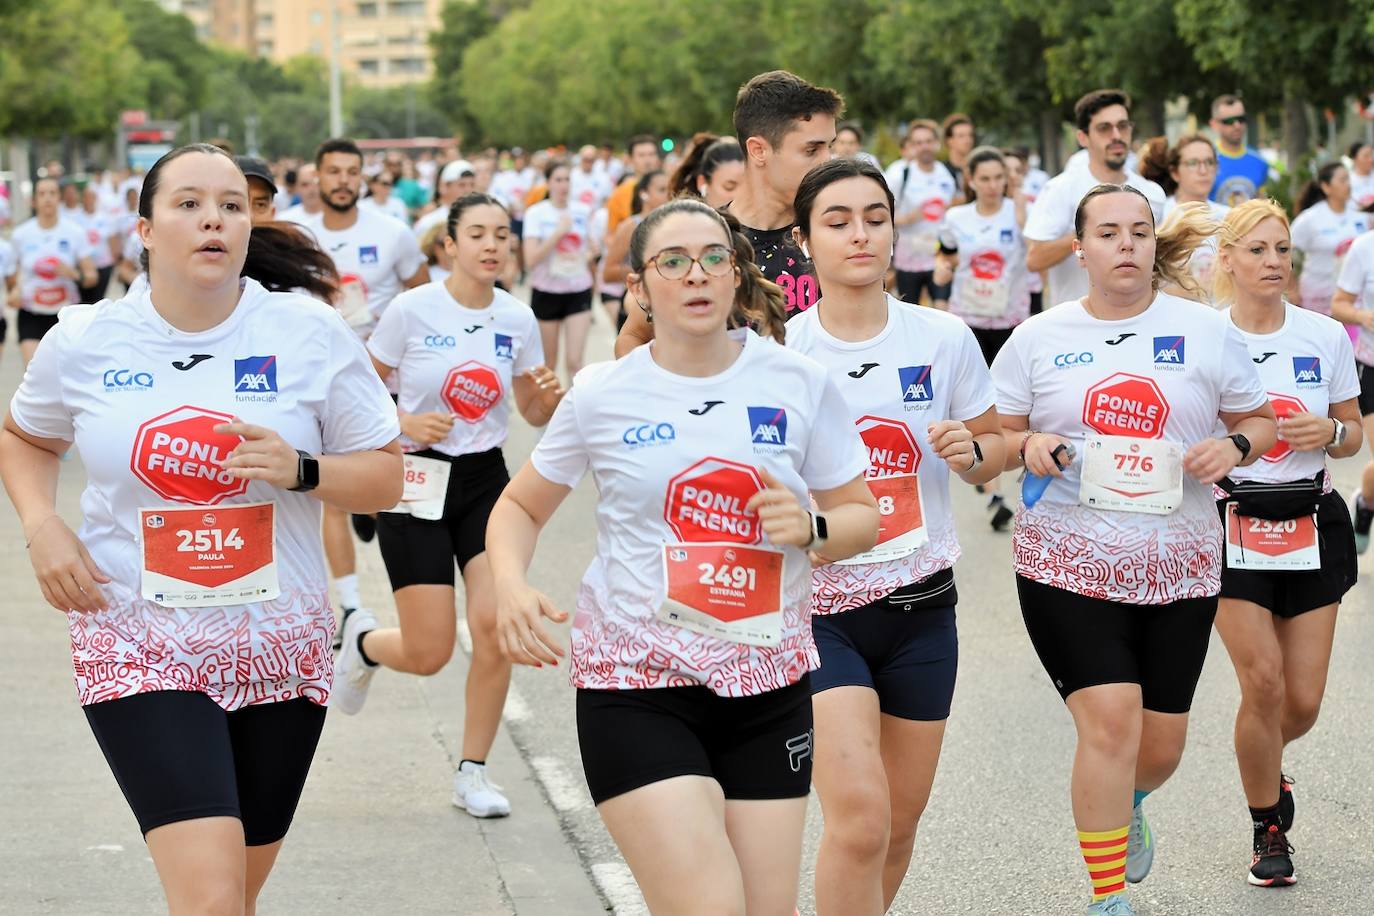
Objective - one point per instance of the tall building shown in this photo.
(382, 42)
(226, 22)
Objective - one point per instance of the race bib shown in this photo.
(984, 298)
(209, 556)
(1261, 543)
(353, 301)
(50, 297)
(426, 486)
(901, 522)
(1131, 475)
(568, 265)
(724, 590)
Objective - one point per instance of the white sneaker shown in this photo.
(475, 794)
(352, 675)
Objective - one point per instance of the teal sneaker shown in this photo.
(1115, 905)
(1140, 847)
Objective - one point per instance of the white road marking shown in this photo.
(517, 710)
(105, 847)
(465, 636)
(619, 887)
(566, 792)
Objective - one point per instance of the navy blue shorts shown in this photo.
(908, 657)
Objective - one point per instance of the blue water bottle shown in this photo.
(1033, 486)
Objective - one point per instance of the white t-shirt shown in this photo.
(512, 186)
(928, 193)
(990, 288)
(9, 265)
(298, 215)
(105, 378)
(1163, 374)
(652, 439)
(565, 269)
(1306, 366)
(590, 189)
(1324, 236)
(1203, 261)
(1052, 218)
(100, 227)
(458, 360)
(394, 207)
(40, 252)
(436, 217)
(1361, 189)
(923, 367)
(1357, 278)
(374, 257)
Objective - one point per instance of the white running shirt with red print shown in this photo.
(1161, 375)
(140, 399)
(675, 459)
(923, 367)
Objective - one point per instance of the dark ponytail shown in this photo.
(706, 153)
(467, 202)
(284, 258)
(1312, 192)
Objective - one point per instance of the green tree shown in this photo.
(461, 22)
(67, 67)
(173, 69)
(399, 111)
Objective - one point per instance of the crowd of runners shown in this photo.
(814, 353)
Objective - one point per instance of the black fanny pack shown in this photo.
(935, 592)
(1274, 501)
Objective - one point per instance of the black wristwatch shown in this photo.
(307, 472)
(1242, 443)
(977, 456)
(820, 531)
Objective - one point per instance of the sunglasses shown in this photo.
(1233, 120)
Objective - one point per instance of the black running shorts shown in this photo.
(755, 747)
(178, 756)
(1289, 593)
(1086, 642)
(32, 326)
(420, 551)
(557, 306)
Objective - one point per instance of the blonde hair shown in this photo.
(1239, 223)
(1185, 231)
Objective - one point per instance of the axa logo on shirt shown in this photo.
(648, 434)
(127, 380)
(505, 349)
(440, 341)
(768, 425)
(917, 387)
(367, 254)
(1307, 370)
(255, 378)
(1070, 360)
(1169, 351)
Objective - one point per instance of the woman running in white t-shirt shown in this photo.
(213, 418)
(918, 390)
(692, 641)
(1116, 397)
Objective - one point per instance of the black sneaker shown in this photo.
(1364, 517)
(1272, 864)
(1286, 807)
(365, 526)
(338, 631)
(1001, 515)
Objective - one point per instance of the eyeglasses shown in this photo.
(1105, 129)
(1202, 165)
(1233, 120)
(716, 261)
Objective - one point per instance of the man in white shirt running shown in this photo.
(1104, 130)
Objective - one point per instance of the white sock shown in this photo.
(348, 590)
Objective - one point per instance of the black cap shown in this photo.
(254, 167)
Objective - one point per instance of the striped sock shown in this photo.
(1105, 854)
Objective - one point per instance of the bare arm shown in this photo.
(1343, 310)
(638, 330)
(537, 393)
(420, 278)
(1044, 255)
(617, 250)
(851, 516)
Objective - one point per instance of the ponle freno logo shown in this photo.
(179, 456)
(1284, 406)
(1126, 405)
(892, 449)
(706, 503)
(471, 390)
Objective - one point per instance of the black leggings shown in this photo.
(177, 756)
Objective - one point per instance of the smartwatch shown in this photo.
(1338, 434)
(1242, 443)
(307, 472)
(820, 531)
(977, 456)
